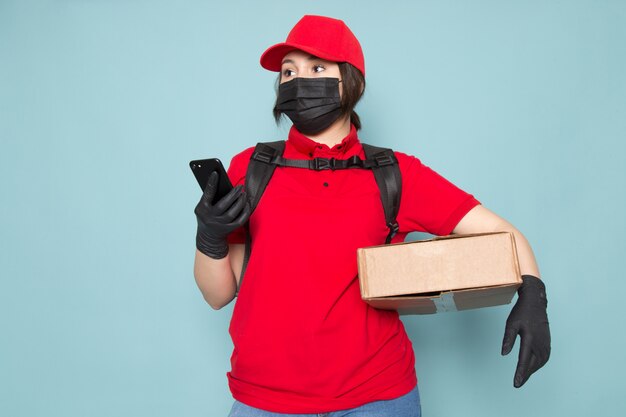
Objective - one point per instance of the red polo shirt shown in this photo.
(304, 341)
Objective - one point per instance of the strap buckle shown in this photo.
(393, 229)
(320, 164)
(382, 160)
(263, 156)
(354, 161)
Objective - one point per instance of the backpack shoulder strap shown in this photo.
(389, 180)
(260, 170)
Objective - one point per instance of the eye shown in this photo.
(288, 72)
(318, 68)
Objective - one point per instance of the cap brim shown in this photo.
(272, 58)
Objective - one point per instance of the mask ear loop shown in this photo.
(338, 84)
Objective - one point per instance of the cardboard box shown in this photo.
(445, 273)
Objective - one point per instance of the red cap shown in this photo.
(324, 37)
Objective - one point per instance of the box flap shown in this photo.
(447, 301)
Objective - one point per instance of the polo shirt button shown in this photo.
(325, 184)
(310, 153)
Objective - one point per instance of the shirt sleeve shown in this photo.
(429, 202)
(237, 175)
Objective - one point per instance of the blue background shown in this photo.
(103, 103)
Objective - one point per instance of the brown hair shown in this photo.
(353, 87)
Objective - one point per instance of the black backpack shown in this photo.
(382, 161)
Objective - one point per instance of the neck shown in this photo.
(334, 133)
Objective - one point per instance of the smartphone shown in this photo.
(202, 168)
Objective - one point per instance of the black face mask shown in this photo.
(312, 104)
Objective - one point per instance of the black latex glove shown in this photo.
(216, 221)
(529, 319)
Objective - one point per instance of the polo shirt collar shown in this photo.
(308, 146)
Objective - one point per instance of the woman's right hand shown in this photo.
(216, 221)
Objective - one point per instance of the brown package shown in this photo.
(445, 273)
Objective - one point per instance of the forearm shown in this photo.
(481, 219)
(527, 261)
(215, 279)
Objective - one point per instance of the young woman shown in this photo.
(304, 341)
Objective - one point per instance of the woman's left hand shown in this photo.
(529, 319)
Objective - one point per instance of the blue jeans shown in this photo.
(407, 405)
